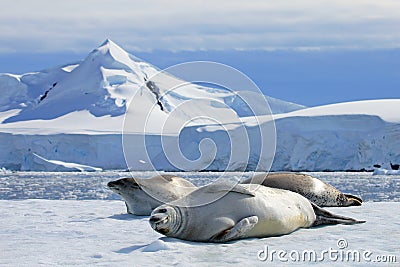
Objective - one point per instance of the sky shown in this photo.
(306, 51)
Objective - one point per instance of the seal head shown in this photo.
(143, 195)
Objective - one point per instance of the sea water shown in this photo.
(93, 185)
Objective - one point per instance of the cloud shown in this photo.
(46, 25)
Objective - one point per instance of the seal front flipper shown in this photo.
(324, 217)
(237, 231)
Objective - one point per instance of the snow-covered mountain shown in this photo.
(102, 84)
(75, 113)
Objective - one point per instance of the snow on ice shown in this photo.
(381, 171)
(96, 232)
(71, 218)
(65, 166)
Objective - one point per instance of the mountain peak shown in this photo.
(111, 55)
(107, 42)
(109, 45)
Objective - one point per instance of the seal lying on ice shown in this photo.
(313, 189)
(245, 210)
(143, 195)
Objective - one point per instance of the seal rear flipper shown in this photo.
(353, 200)
(237, 231)
(127, 208)
(324, 217)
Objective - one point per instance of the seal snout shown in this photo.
(111, 184)
(159, 220)
(114, 186)
(353, 200)
(156, 219)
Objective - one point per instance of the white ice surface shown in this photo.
(68, 165)
(83, 233)
(386, 109)
(381, 171)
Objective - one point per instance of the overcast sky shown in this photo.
(310, 52)
(78, 26)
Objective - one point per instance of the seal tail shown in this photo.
(353, 200)
(324, 217)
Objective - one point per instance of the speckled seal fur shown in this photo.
(315, 190)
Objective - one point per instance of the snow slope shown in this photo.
(386, 109)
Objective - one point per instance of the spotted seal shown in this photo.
(317, 191)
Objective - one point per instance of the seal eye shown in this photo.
(341, 197)
(162, 210)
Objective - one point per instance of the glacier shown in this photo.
(76, 114)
